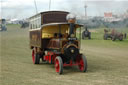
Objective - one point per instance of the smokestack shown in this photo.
(71, 20)
(71, 29)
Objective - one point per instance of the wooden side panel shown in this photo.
(35, 38)
(53, 17)
(45, 42)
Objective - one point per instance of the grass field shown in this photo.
(107, 62)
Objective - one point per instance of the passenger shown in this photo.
(55, 35)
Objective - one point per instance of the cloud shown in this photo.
(26, 8)
(21, 8)
(21, 3)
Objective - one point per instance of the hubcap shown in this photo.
(57, 65)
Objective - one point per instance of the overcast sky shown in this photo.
(26, 8)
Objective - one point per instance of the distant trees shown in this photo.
(96, 22)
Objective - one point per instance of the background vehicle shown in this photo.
(24, 24)
(53, 39)
(3, 25)
(113, 35)
(86, 33)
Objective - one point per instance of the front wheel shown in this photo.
(82, 63)
(59, 65)
(113, 38)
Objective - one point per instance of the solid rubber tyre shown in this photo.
(59, 65)
(35, 57)
(83, 64)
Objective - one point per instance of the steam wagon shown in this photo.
(53, 39)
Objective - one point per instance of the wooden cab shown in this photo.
(39, 28)
(49, 26)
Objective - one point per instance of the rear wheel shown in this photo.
(113, 38)
(35, 57)
(42, 57)
(105, 36)
(83, 63)
(59, 65)
(121, 38)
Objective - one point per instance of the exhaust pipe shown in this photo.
(71, 31)
(71, 20)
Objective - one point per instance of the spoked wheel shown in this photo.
(35, 57)
(59, 65)
(83, 63)
(121, 38)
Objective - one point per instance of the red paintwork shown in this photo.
(81, 65)
(57, 65)
(79, 62)
(46, 57)
(50, 57)
(33, 56)
(70, 64)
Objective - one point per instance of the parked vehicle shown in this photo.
(86, 33)
(3, 25)
(113, 35)
(24, 24)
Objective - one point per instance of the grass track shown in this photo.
(107, 62)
